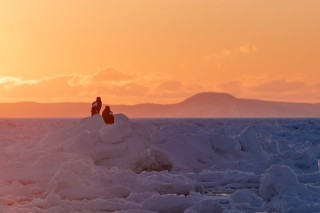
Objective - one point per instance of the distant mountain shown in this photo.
(202, 105)
(222, 105)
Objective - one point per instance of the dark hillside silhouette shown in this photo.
(201, 105)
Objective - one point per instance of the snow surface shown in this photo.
(159, 165)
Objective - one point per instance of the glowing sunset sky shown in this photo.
(133, 51)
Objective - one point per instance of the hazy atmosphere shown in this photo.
(159, 106)
(142, 51)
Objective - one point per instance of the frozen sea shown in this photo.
(159, 165)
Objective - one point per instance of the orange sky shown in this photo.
(134, 51)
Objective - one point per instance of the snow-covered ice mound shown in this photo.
(144, 166)
(282, 191)
(125, 145)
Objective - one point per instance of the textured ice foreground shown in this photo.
(163, 165)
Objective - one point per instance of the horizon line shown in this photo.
(121, 104)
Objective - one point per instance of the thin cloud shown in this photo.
(116, 86)
(227, 53)
(128, 90)
(279, 86)
(151, 87)
(154, 77)
(113, 75)
(169, 85)
(103, 76)
(247, 49)
(79, 80)
(8, 82)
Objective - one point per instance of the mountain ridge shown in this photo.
(201, 105)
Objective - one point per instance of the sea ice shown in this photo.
(159, 165)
